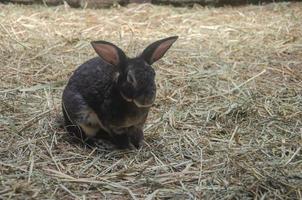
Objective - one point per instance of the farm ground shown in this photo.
(227, 119)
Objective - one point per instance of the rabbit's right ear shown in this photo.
(108, 52)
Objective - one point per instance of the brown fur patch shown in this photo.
(90, 121)
(90, 131)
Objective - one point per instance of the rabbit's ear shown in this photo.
(157, 50)
(108, 52)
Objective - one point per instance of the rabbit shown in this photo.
(109, 96)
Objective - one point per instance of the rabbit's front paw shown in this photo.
(121, 141)
(136, 136)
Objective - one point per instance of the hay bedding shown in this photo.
(227, 120)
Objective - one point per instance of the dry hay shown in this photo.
(227, 120)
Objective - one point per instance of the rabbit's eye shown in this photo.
(131, 79)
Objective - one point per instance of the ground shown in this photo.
(227, 119)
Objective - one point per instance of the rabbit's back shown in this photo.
(92, 80)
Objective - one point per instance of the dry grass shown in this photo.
(227, 120)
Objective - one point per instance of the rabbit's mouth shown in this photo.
(136, 102)
(141, 105)
(126, 98)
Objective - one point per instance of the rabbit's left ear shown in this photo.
(157, 50)
(108, 52)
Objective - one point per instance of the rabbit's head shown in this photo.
(135, 77)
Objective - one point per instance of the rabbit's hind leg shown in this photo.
(71, 127)
(89, 122)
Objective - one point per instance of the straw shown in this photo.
(227, 119)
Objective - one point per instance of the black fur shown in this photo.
(94, 86)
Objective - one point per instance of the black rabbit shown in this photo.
(110, 95)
